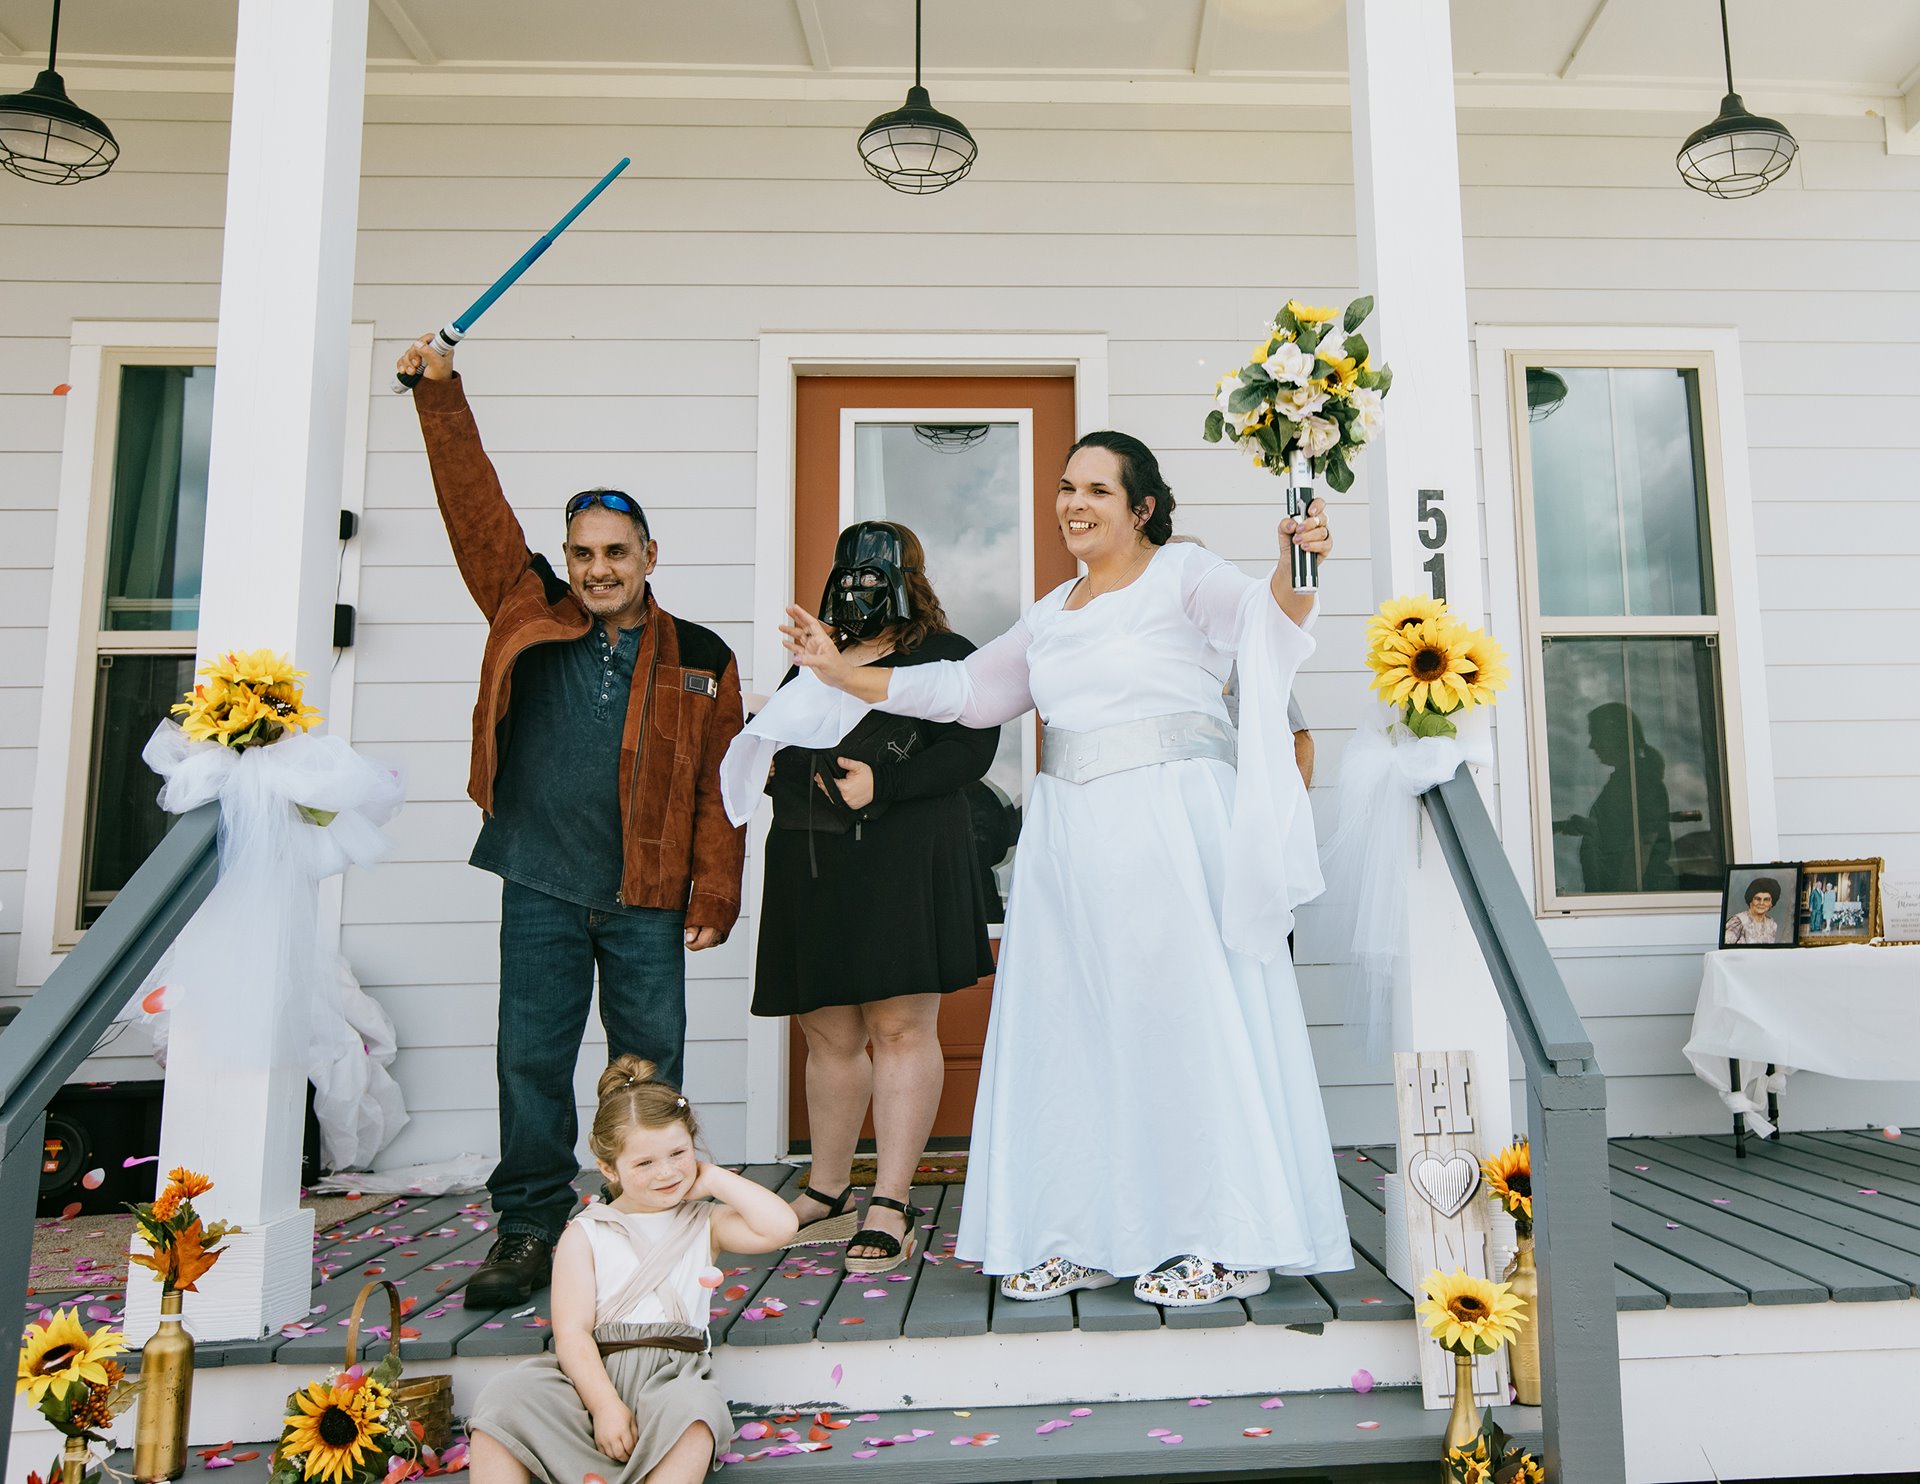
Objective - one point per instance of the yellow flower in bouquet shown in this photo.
(1510, 1183)
(333, 1428)
(248, 698)
(59, 1354)
(1469, 1315)
(1310, 316)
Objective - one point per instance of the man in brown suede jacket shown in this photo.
(597, 738)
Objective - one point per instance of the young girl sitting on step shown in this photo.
(628, 1393)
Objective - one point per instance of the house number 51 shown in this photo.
(1432, 526)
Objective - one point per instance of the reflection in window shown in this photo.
(961, 497)
(1620, 505)
(1634, 765)
(159, 517)
(124, 819)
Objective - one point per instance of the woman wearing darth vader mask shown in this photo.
(873, 906)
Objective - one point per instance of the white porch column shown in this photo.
(1406, 176)
(235, 1085)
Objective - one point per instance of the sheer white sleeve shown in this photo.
(985, 689)
(1273, 860)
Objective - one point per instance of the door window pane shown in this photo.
(159, 513)
(1634, 751)
(124, 817)
(1619, 494)
(957, 487)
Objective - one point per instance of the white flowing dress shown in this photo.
(1148, 1090)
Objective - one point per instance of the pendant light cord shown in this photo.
(1726, 44)
(53, 42)
(916, 41)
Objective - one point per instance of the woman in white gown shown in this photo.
(1148, 1103)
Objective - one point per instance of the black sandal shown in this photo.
(893, 1250)
(834, 1227)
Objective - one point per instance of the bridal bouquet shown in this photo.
(1307, 394)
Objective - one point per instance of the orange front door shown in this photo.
(956, 458)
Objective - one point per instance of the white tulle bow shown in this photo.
(1383, 772)
(258, 931)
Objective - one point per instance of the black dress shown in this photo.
(890, 900)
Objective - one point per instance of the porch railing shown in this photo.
(1567, 1128)
(63, 1022)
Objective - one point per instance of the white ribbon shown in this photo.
(1384, 771)
(1750, 1097)
(805, 712)
(261, 918)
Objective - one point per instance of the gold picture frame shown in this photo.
(1839, 902)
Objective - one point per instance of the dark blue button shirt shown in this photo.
(556, 797)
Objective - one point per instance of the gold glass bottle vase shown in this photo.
(74, 1458)
(1463, 1422)
(166, 1390)
(1525, 1345)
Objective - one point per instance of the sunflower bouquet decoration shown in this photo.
(348, 1429)
(246, 698)
(1509, 1177)
(1306, 392)
(1469, 1315)
(68, 1373)
(1494, 1458)
(1430, 666)
(181, 1246)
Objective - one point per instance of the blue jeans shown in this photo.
(549, 950)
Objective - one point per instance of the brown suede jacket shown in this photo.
(684, 708)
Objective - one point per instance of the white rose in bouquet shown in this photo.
(1371, 409)
(1238, 421)
(1289, 365)
(1300, 402)
(1318, 435)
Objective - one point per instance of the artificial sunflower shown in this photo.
(1487, 667)
(1399, 613)
(1521, 1468)
(1469, 1315)
(1342, 370)
(1510, 1182)
(60, 1353)
(1420, 665)
(332, 1429)
(1310, 316)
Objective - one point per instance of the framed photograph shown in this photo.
(1757, 905)
(1839, 902)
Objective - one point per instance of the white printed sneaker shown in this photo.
(1189, 1282)
(1053, 1277)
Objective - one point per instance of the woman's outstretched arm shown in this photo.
(985, 689)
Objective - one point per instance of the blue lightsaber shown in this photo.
(448, 336)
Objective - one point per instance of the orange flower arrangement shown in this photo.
(183, 1247)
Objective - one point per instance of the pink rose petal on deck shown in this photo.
(1198, 1401)
(1363, 1381)
(1869, 1192)
(836, 1374)
(1156, 1432)
(1081, 1412)
(1173, 1437)
(868, 1417)
(1271, 1402)
(1367, 1425)
(867, 1453)
(1256, 1432)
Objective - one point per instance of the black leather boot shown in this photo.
(517, 1265)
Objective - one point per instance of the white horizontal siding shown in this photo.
(629, 358)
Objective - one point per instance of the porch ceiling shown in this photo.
(1778, 47)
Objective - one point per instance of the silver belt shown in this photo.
(1080, 757)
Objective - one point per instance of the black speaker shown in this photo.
(102, 1125)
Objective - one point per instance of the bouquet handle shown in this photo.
(1306, 564)
(393, 1319)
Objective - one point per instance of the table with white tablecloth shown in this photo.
(1845, 1011)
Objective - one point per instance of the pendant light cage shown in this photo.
(951, 437)
(1546, 390)
(46, 137)
(916, 149)
(1739, 153)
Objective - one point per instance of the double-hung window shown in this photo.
(139, 612)
(1624, 581)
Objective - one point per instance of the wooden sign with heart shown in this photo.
(1439, 1194)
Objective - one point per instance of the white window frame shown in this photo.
(97, 351)
(1654, 918)
(784, 358)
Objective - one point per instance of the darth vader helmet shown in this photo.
(867, 588)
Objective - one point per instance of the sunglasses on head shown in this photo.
(614, 500)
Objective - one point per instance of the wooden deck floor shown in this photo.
(1813, 1218)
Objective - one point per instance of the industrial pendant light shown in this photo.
(916, 148)
(46, 137)
(1738, 154)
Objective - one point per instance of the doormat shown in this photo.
(91, 1251)
(935, 1169)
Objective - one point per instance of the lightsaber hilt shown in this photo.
(1306, 564)
(443, 342)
